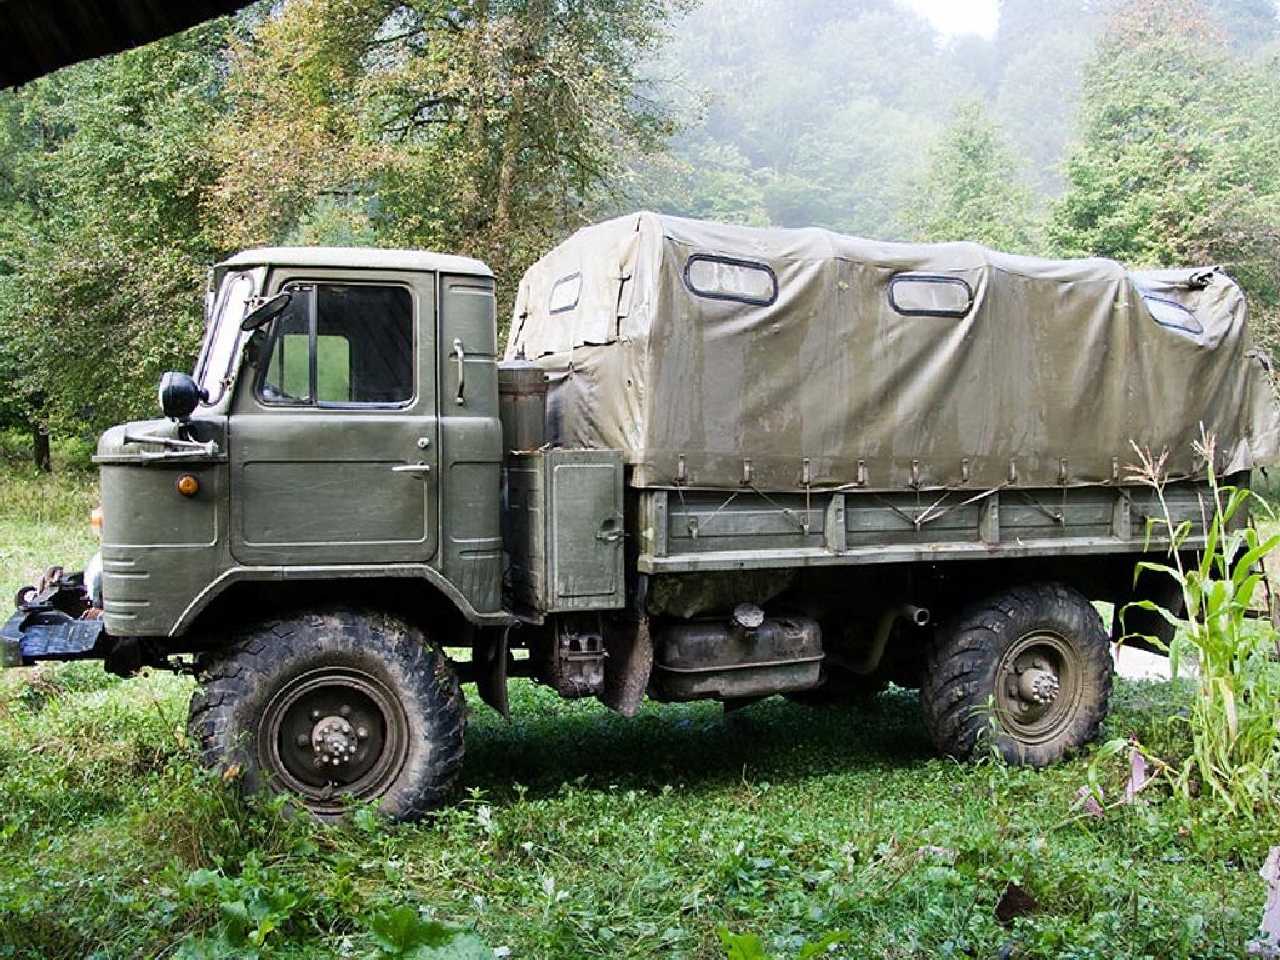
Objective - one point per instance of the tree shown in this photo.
(972, 190)
(814, 112)
(1250, 24)
(1043, 45)
(485, 127)
(1176, 161)
(100, 235)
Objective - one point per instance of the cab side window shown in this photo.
(341, 345)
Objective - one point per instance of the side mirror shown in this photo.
(266, 312)
(179, 395)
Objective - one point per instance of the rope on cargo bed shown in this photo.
(697, 525)
(785, 511)
(1058, 517)
(694, 524)
(932, 512)
(1141, 511)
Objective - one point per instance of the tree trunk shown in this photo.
(40, 453)
(528, 60)
(507, 170)
(474, 206)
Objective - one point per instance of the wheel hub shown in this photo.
(333, 731)
(1039, 684)
(334, 741)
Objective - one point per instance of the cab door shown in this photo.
(333, 438)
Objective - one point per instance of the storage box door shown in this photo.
(586, 530)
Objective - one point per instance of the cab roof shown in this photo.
(357, 258)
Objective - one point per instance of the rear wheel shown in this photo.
(331, 708)
(1027, 670)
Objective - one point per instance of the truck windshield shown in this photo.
(213, 371)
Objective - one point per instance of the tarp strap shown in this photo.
(936, 510)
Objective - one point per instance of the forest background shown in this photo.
(1148, 132)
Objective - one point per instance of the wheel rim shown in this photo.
(332, 733)
(1038, 686)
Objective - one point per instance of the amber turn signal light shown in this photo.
(95, 522)
(188, 485)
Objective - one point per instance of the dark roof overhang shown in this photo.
(39, 36)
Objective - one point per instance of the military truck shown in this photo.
(714, 462)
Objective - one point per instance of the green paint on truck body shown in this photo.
(360, 480)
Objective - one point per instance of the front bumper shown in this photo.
(30, 636)
(55, 620)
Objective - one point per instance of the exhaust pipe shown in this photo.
(910, 612)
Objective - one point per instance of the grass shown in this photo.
(580, 834)
(44, 518)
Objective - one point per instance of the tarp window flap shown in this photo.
(565, 294)
(925, 295)
(725, 278)
(1173, 315)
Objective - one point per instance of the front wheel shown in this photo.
(1027, 671)
(334, 707)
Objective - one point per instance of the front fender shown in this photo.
(408, 571)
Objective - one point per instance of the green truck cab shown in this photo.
(715, 463)
(327, 445)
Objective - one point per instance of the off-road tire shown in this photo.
(973, 693)
(306, 675)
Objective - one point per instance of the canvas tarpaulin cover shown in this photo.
(723, 356)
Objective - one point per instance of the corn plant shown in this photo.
(1234, 712)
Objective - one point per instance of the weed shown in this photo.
(747, 946)
(1233, 716)
(402, 932)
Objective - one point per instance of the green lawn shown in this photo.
(577, 833)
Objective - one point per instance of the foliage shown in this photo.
(493, 127)
(816, 113)
(1175, 162)
(43, 519)
(1041, 49)
(1233, 712)
(747, 946)
(100, 234)
(482, 128)
(402, 932)
(800, 114)
(971, 190)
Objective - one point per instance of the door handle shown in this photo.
(610, 531)
(421, 469)
(462, 369)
